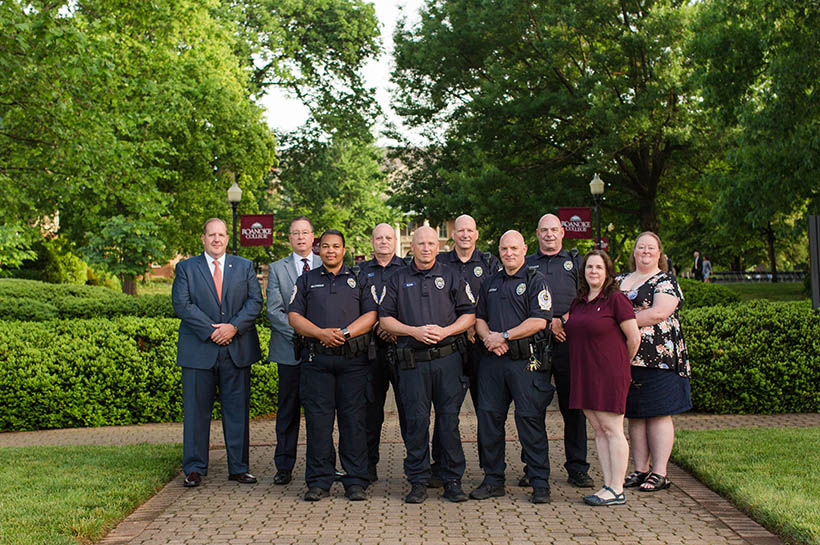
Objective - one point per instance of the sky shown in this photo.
(286, 114)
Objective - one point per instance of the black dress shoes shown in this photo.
(315, 493)
(242, 478)
(192, 479)
(282, 477)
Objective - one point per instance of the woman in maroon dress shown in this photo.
(604, 318)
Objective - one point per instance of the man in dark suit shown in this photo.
(282, 276)
(218, 299)
(697, 267)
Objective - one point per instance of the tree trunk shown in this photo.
(737, 263)
(772, 260)
(129, 284)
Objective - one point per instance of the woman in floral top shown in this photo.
(660, 370)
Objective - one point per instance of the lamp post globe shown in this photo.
(596, 188)
(234, 196)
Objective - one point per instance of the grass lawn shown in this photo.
(75, 494)
(782, 291)
(154, 287)
(770, 473)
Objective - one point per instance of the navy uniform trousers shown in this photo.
(503, 380)
(575, 424)
(335, 387)
(441, 383)
(381, 376)
(199, 387)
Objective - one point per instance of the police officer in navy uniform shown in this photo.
(375, 273)
(334, 312)
(428, 306)
(514, 308)
(475, 266)
(561, 268)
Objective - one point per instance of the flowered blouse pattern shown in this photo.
(662, 345)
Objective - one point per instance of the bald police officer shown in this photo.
(561, 269)
(514, 308)
(475, 266)
(427, 306)
(375, 273)
(334, 312)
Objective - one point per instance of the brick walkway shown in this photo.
(224, 512)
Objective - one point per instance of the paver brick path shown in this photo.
(225, 512)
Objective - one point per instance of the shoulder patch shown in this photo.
(293, 294)
(568, 265)
(520, 288)
(544, 300)
(469, 293)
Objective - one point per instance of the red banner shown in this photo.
(605, 244)
(577, 222)
(256, 230)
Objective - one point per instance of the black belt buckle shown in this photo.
(435, 353)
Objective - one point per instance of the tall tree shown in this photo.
(339, 183)
(120, 119)
(758, 67)
(531, 98)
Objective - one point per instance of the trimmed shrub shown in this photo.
(702, 294)
(43, 291)
(77, 373)
(27, 309)
(755, 357)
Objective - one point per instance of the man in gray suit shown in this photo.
(218, 299)
(282, 276)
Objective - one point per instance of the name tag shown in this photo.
(371, 274)
(409, 284)
(492, 290)
(317, 286)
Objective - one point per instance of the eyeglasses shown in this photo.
(302, 233)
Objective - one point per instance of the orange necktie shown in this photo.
(218, 280)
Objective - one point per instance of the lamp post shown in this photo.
(596, 187)
(234, 196)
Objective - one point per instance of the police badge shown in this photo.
(351, 282)
(544, 300)
(439, 282)
(520, 288)
(293, 294)
(568, 265)
(478, 271)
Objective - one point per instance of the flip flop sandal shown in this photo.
(635, 479)
(656, 482)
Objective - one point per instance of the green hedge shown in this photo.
(75, 373)
(31, 300)
(703, 294)
(756, 357)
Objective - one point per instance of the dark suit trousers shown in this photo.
(199, 388)
(381, 376)
(288, 416)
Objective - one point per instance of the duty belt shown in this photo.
(351, 349)
(408, 357)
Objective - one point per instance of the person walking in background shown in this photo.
(660, 370)
(707, 269)
(604, 318)
(697, 266)
(217, 298)
(282, 276)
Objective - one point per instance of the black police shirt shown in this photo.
(376, 276)
(329, 300)
(475, 269)
(561, 271)
(507, 300)
(438, 295)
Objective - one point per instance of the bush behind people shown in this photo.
(757, 357)
(98, 372)
(698, 294)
